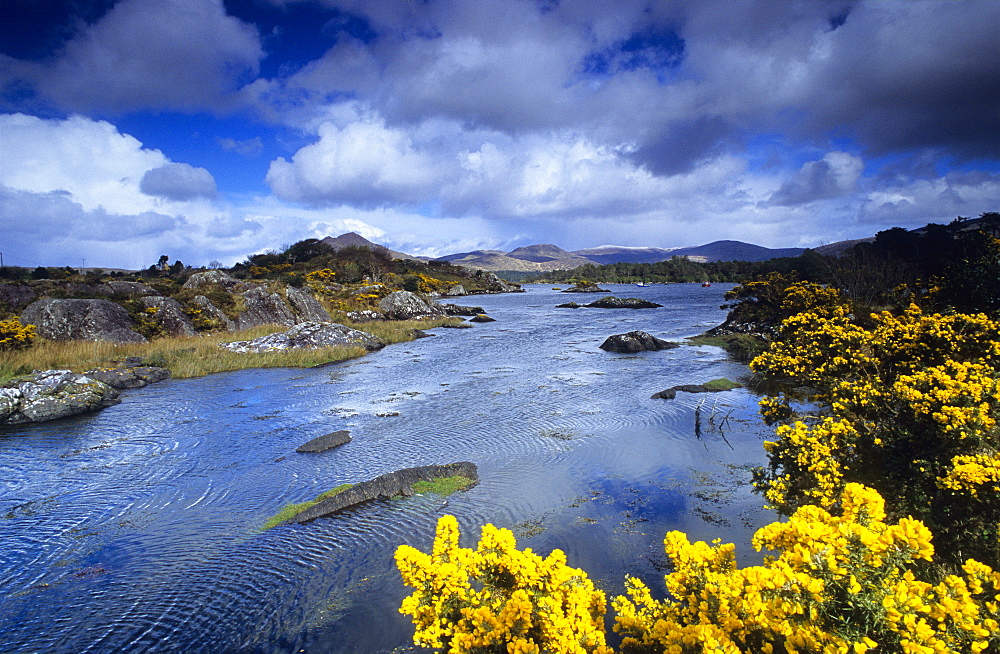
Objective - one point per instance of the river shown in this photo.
(138, 528)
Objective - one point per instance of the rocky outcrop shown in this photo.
(493, 284)
(455, 291)
(384, 487)
(306, 307)
(91, 320)
(214, 313)
(325, 442)
(16, 296)
(310, 336)
(612, 302)
(456, 310)
(131, 377)
(263, 308)
(569, 305)
(635, 342)
(169, 315)
(404, 305)
(482, 317)
(211, 278)
(51, 394)
(130, 289)
(586, 288)
(714, 386)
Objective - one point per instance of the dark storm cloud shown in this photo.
(684, 145)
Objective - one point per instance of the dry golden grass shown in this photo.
(195, 356)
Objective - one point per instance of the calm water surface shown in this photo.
(138, 528)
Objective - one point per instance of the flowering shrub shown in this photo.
(322, 281)
(903, 402)
(14, 335)
(497, 598)
(840, 583)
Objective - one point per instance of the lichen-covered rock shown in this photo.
(130, 289)
(455, 291)
(310, 336)
(384, 487)
(91, 320)
(16, 296)
(51, 394)
(404, 305)
(325, 442)
(263, 308)
(365, 315)
(456, 310)
(611, 302)
(212, 312)
(306, 306)
(129, 377)
(211, 278)
(169, 315)
(635, 342)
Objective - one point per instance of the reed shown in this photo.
(196, 356)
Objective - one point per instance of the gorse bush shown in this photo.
(14, 335)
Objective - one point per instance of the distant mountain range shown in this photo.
(544, 257)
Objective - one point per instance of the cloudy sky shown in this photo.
(212, 129)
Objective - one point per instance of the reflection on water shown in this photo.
(137, 528)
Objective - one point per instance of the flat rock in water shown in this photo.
(612, 302)
(384, 487)
(635, 342)
(326, 442)
(482, 318)
(457, 310)
(569, 305)
(718, 386)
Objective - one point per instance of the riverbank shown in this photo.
(197, 356)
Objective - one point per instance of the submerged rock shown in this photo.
(384, 487)
(308, 336)
(326, 442)
(714, 386)
(635, 342)
(90, 320)
(51, 394)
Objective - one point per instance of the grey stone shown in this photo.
(211, 278)
(130, 289)
(306, 306)
(263, 308)
(326, 442)
(635, 342)
(52, 394)
(129, 377)
(169, 315)
(91, 320)
(455, 291)
(456, 310)
(404, 305)
(308, 335)
(384, 487)
(213, 312)
(366, 315)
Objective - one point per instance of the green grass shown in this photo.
(443, 485)
(291, 510)
(721, 384)
(741, 347)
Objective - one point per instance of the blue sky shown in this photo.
(210, 129)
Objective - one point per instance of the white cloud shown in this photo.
(835, 175)
(178, 181)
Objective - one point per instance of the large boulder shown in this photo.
(309, 336)
(130, 377)
(305, 305)
(263, 308)
(169, 315)
(635, 342)
(496, 285)
(611, 302)
(213, 313)
(404, 305)
(455, 291)
(90, 320)
(16, 296)
(211, 278)
(51, 394)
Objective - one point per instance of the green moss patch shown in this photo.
(742, 347)
(443, 485)
(291, 510)
(721, 384)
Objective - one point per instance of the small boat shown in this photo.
(706, 284)
(642, 284)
